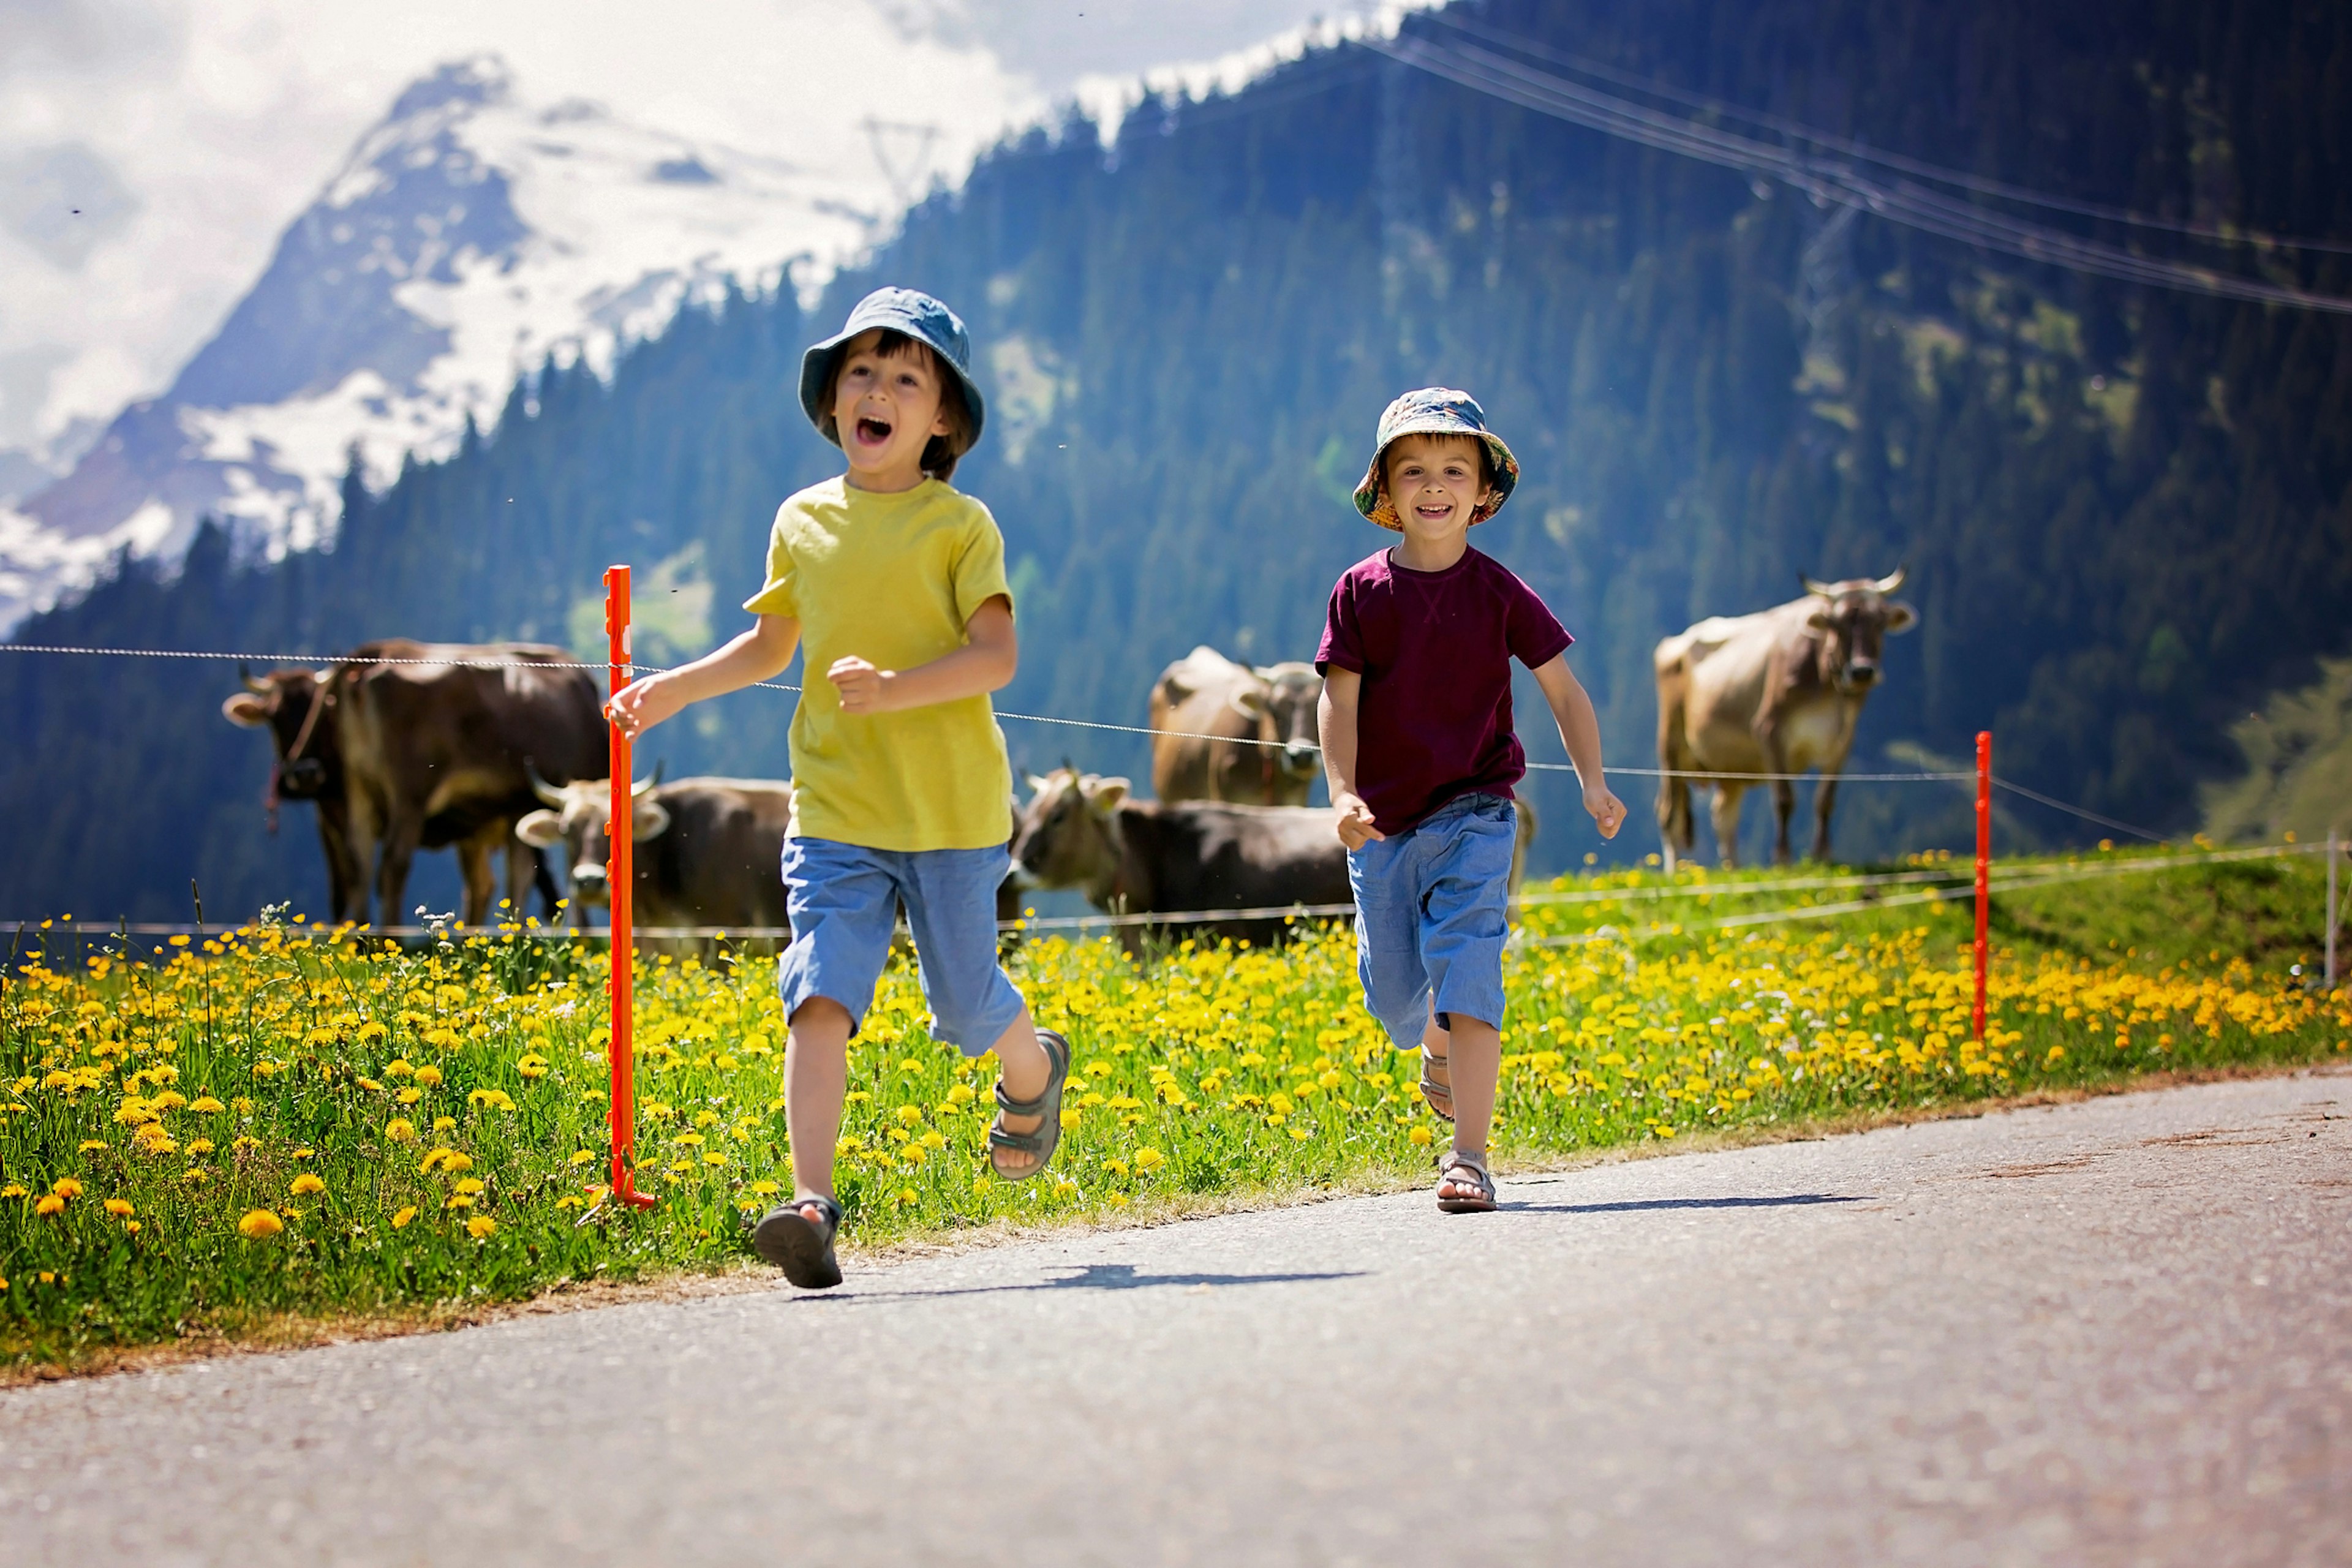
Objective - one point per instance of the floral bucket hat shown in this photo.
(908, 310)
(1435, 411)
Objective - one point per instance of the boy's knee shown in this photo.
(820, 1013)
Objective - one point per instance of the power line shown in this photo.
(1827, 180)
(1942, 174)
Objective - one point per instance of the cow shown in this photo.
(708, 852)
(1137, 857)
(1242, 735)
(294, 704)
(715, 856)
(1774, 693)
(434, 743)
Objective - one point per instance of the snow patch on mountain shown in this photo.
(469, 238)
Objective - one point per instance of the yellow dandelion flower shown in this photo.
(481, 1227)
(459, 1201)
(259, 1224)
(119, 1208)
(400, 1129)
(428, 1075)
(66, 1188)
(50, 1203)
(764, 1188)
(400, 1220)
(1419, 1137)
(89, 1145)
(1149, 1159)
(443, 1123)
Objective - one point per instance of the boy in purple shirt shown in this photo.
(1417, 742)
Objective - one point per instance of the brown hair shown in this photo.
(941, 452)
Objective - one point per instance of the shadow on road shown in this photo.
(1792, 1200)
(1094, 1276)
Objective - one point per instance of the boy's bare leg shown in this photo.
(1435, 1066)
(816, 1077)
(1478, 1062)
(1027, 1069)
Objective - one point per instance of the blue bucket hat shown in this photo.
(908, 310)
(1435, 411)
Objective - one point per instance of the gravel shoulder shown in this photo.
(2118, 1331)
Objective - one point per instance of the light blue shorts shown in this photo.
(844, 902)
(1432, 917)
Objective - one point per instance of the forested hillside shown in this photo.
(2124, 511)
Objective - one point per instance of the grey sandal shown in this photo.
(1046, 1108)
(803, 1250)
(1465, 1171)
(1431, 1090)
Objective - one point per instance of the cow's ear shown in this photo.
(649, 820)
(540, 829)
(1104, 795)
(1037, 784)
(247, 710)
(1901, 617)
(1818, 620)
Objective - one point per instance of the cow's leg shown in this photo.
(364, 839)
(480, 878)
(346, 883)
(1825, 802)
(1784, 805)
(400, 837)
(1724, 812)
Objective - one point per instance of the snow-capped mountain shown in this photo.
(466, 237)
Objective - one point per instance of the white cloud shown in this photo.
(198, 128)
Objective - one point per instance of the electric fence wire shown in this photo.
(1956, 888)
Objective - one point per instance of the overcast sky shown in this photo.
(189, 133)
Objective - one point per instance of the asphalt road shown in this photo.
(2118, 1331)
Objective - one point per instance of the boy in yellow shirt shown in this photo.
(901, 791)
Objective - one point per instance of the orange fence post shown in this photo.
(620, 879)
(1984, 866)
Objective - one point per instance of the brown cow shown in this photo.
(435, 742)
(1776, 692)
(295, 706)
(1262, 748)
(1132, 856)
(708, 852)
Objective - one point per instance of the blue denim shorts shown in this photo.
(844, 902)
(1431, 915)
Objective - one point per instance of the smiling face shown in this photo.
(889, 405)
(1436, 484)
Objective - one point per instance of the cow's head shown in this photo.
(577, 815)
(1855, 617)
(1068, 834)
(294, 705)
(1285, 710)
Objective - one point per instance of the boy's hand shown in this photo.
(1608, 811)
(642, 704)
(1356, 827)
(863, 687)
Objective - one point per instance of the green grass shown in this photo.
(202, 1086)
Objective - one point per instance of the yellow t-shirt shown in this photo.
(892, 578)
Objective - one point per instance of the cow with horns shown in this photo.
(710, 851)
(1227, 731)
(1744, 700)
(408, 746)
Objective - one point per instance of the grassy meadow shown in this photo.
(206, 1135)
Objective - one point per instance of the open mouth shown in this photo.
(873, 432)
(1434, 513)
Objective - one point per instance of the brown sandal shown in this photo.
(1432, 1091)
(1473, 1184)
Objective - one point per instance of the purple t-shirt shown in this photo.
(1433, 720)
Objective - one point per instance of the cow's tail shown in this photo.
(1676, 831)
